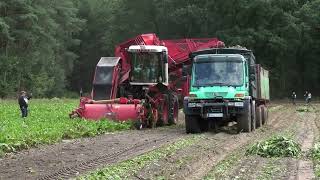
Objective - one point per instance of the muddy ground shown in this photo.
(215, 155)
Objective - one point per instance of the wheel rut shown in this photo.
(69, 159)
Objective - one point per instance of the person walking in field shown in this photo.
(293, 98)
(309, 97)
(23, 103)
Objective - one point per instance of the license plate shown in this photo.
(238, 104)
(212, 115)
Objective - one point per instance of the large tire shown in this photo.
(192, 124)
(244, 119)
(163, 111)
(264, 114)
(253, 115)
(173, 109)
(259, 116)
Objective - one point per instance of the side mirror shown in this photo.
(252, 77)
(186, 70)
(252, 69)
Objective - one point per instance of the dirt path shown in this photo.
(79, 156)
(197, 160)
(75, 157)
(303, 126)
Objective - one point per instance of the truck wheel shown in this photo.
(173, 109)
(253, 115)
(259, 116)
(244, 119)
(264, 114)
(192, 124)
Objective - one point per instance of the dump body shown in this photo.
(262, 83)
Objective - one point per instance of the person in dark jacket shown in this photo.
(293, 97)
(23, 103)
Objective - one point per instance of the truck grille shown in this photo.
(213, 110)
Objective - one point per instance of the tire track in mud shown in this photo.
(67, 160)
(95, 163)
(282, 168)
(277, 122)
(204, 154)
(306, 138)
(256, 167)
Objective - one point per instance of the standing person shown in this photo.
(306, 97)
(293, 98)
(23, 103)
(309, 97)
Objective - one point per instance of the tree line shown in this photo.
(51, 47)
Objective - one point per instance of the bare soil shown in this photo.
(254, 167)
(76, 157)
(72, 158)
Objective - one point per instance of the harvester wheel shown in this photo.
(264, 114)
(173, 109)
(259, 116)
(244, 119)
(163, 112)
(253, 115)
(138, 124)
(192, 124)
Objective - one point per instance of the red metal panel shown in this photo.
(179, 49)
(119, 112)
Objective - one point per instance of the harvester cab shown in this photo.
(149, 65)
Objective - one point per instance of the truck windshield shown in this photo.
(146, 67)
(221, 73)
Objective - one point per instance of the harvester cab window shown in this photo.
(103, 75)
(147, 67)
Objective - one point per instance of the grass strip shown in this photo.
(128, 168)
(48, 122)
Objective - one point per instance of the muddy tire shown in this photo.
(259, 116)
(264, 114)
(253, 115)
(192, 124)
(244, 119)
(173, 109)
(163, 110)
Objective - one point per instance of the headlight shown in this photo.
(191, 104)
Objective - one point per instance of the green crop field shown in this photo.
(48, 122)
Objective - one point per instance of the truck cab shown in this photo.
(223, 88)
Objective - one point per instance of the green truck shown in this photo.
(226, 85)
